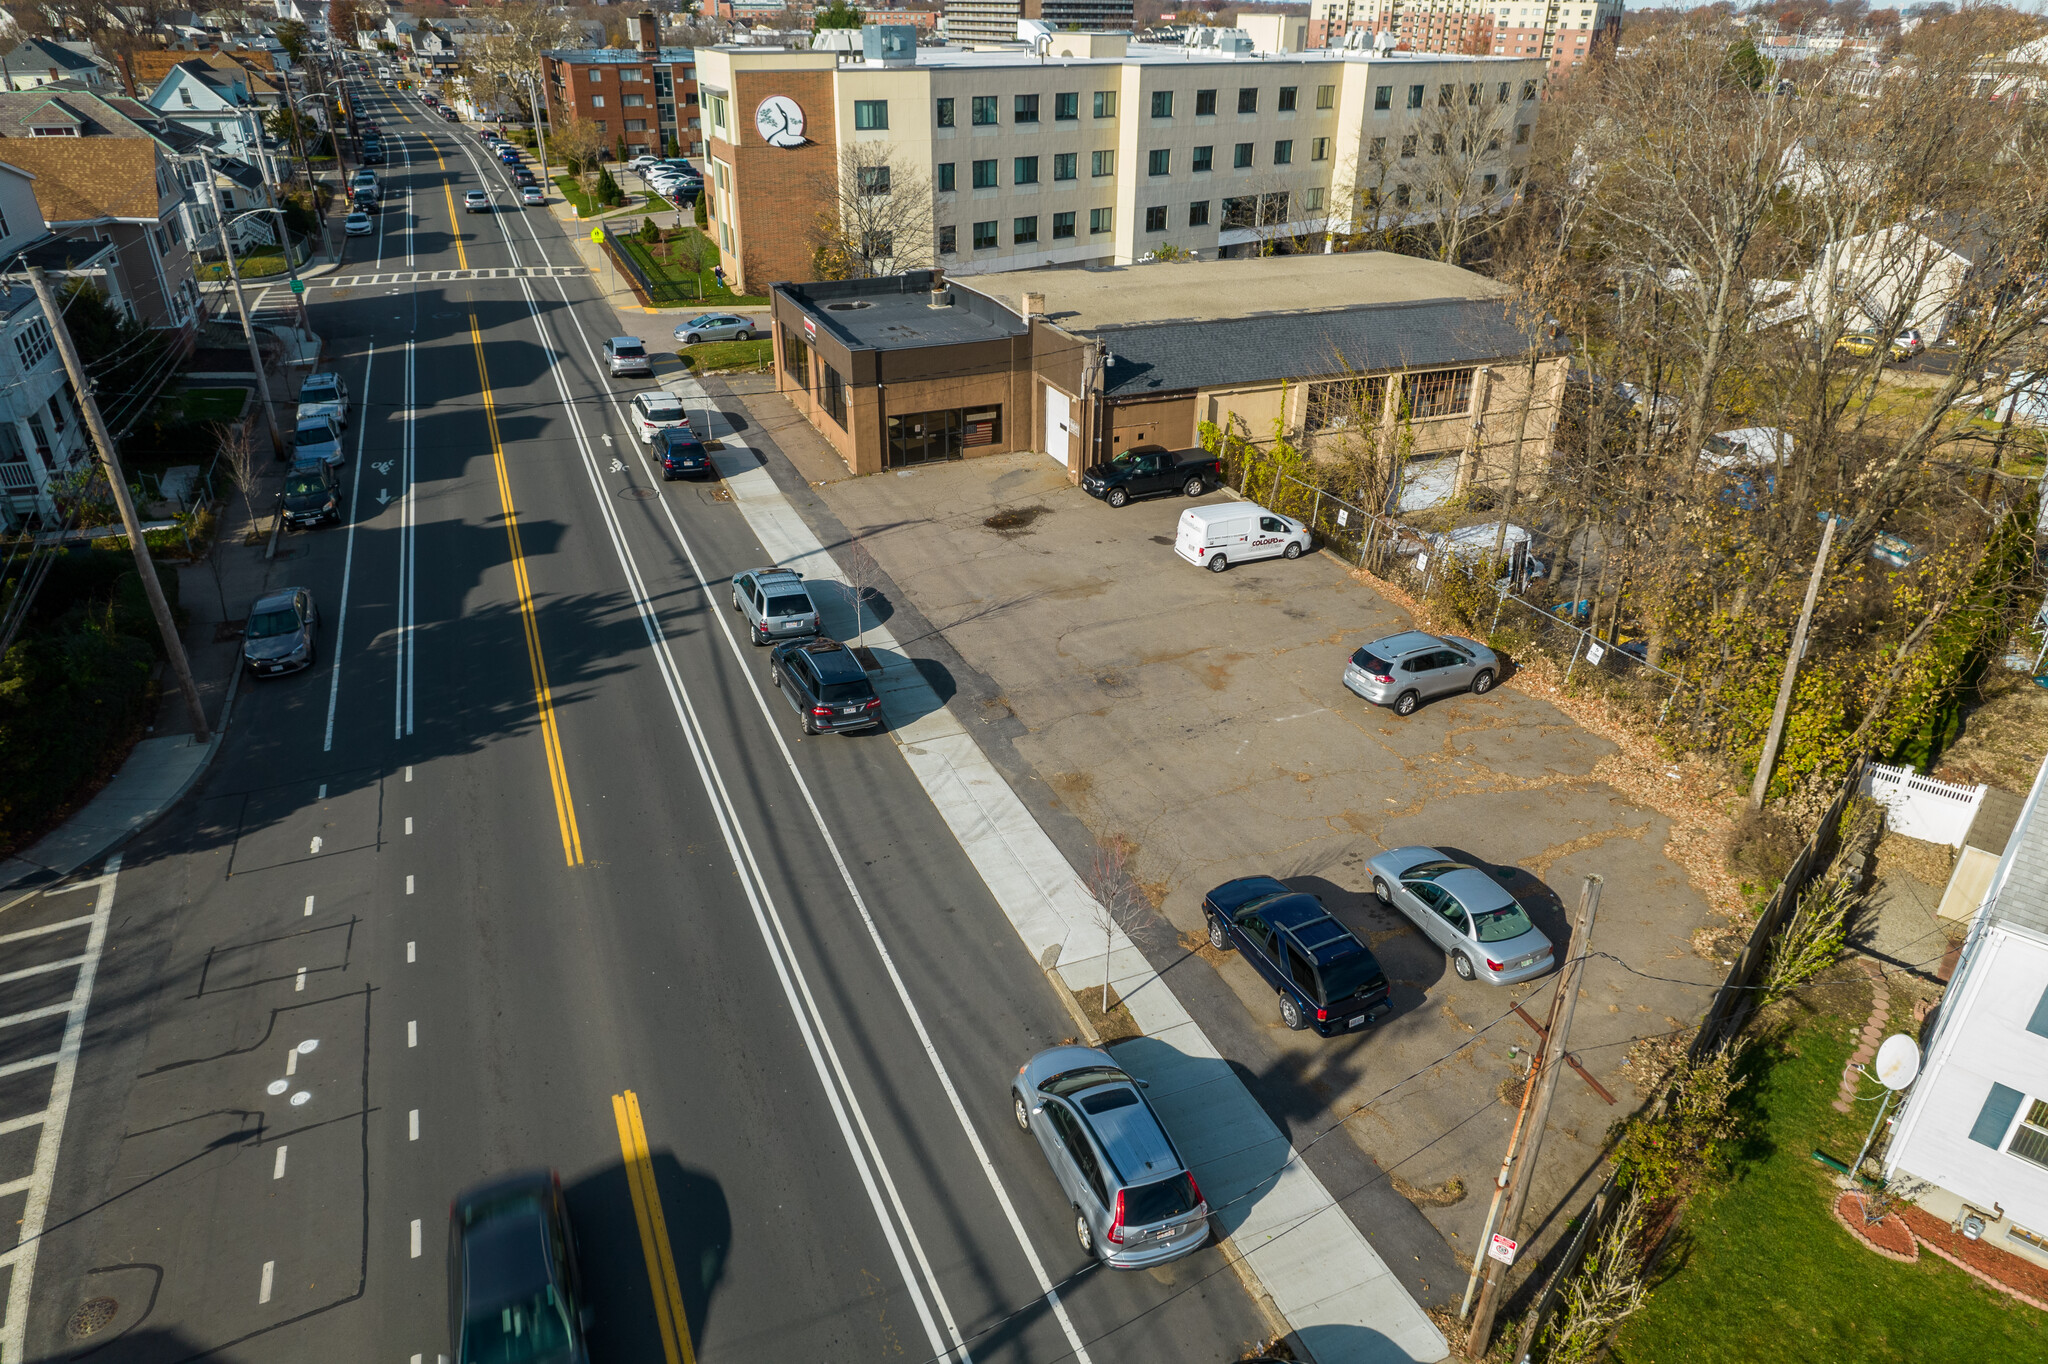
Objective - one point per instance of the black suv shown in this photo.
(312, 494)
(513, 1288)
(1327, 979)
(826, 684)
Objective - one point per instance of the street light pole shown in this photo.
(227, 250)
(110, 462)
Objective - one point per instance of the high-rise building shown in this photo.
(1564, 33)
(995, 21)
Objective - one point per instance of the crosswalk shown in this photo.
(436, 276)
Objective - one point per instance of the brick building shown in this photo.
(646, 95)
(1564, 33)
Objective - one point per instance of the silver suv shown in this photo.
(775, 604)
(1135, 1204)
(627, 355)
(1404, 670)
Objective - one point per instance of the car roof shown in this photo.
(762, 575)
(624, 340)
(833, 660)
(1407, 642)
(1475, 889)
(276, 601)
(1130, 1135)
(506, 1254)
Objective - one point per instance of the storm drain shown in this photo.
(638, 494)
(92, 1317)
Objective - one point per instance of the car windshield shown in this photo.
(1122, 461)
(798, 605)
(314, 433)
(1160, 1202)
(1349, 976)
(304, 485)
(1498, 925)
(270, 624)
(532, 1329)
(1087, 1077)
(665, 412)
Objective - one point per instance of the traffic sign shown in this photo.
(298, 286)
(597, 234)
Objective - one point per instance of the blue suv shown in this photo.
(1326, 978)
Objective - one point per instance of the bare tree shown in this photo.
(239, 451)
(863, 578)
(1117, 902)
(876, 217)
(1460, 171)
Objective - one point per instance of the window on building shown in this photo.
(1504, 87)
(984, 110)
(2030, 1139)
(1102, 220)
(1102, 163)
(1528, 90)
(1383, 97)
(1376, 150)
(1066, 105)
(1159, 161)
(1319, 149)
(1065, 165)
(1408, 145)
(1062, 225)
(1283, 152)
(629, 74)
(40, 435)
(596, 75)
(946, 185)
(1472, 95)
(1326, 97)
(874, 179)
(33, 343)
(1162, 104)
(985, 174)
(1446, 95)
(1414, 97)
(1248, 99)
(633, 101)
(1521, 134)
(1437, 392)
(1436, 144)
(1400, 196)
(597, 101)
(635, 125)
(946, 112)
(2038, 1023)
(1287, 94)
(1105, 104)
(1312, 199)
(1241, 155)
(185, 97)
(1024, 170)
(985, 236)
(1205, 103)
(870, 114)
(1023, 231)
(1025, 109)
(878, 245)
(1155, 219)
(663, 84)
(1198, 213)
(833, 397)
(947, 243)
(60, 415)
(1335, 404)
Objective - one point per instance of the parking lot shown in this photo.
(1200, 716)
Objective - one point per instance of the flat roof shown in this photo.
(895, 313)
(1142, 54)
(1222, 290)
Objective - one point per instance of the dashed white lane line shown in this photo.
(411, 951)
(277, 1170)
(309, 906)
(269, 1273)
(412, 1033)
(408, 772)
(408, 885)
(415, 1238)
(323, 791)
(408, 823)
(300, 983)
(412, 1125)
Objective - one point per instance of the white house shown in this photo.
(1975, 1124)
(1912, 272)
(213, 102)
(41, 433)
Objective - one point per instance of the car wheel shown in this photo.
(1406, 702)
(1291, 1014)
(775, 676)
(1218, 564)
(690, 340)
(1117, 497)
(1219, 936)
(744, 335)
(1483, 683)
(1192, 488)
(1019, 1111)
(1293, 550)
(1462, 964)
(1380, 892)
(1084, 1233)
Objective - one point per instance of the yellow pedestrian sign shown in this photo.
(597, 234)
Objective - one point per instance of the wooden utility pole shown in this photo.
(1545, 1080)
(1768, 759)
(227, 251)
(110, 462)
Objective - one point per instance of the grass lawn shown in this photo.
(211, 404)
(1764, 1273)
(252, 264)
(677, 273)
(727, 355)
(586, 207)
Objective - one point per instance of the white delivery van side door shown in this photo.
(1270, 539)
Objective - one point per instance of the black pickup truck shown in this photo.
(1144, 470)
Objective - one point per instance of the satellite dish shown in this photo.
(1898, 1061)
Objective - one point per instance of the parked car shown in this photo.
(1910, 341)
(1865, 344)
(1237, 532)
(775, 603)
(358, 224)
(312, 494)
(363, 179)
(450, 115)
(1748, 447)
(641, 163)
(681, 454)
(514, 1289)
(1325, 977)
(324, 394)
(1482, 929)
(533, 194)
(715, 327)
(1135, 1202)
(278, 637)
(365, 198)
(373, 154)
(656, 411)
(476, 201)
(1148, 470)
(1407, 669)
(627, 355)
(523, 177)
(826, 684)
(317, 437)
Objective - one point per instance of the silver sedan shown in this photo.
(1482, 929)
(716, 327)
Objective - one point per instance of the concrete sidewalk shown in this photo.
(1342, 1301)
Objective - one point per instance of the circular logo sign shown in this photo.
(780, 122)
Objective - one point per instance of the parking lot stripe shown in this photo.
(33, 1063)
(79, 922)
(31, 1015)
(661, 1262)
(43, 970)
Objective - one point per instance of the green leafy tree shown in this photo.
(608, 191)
(838, 14)
(291, 34)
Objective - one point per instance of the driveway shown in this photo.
(1200, 717)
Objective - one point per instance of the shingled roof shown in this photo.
(81, 179)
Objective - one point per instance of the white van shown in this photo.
(1237, 532)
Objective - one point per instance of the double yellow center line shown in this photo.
(661, 1260)
(550, 732)
(455, 229)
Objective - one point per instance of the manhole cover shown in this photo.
(91, 1317)
(1014, 518)
(638, 494)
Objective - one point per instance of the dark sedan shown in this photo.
(825, 683)
(513, 1290)
(682, 454)
(1326, 978)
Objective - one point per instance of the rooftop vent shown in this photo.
(848, 307)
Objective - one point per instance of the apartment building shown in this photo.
(645, 94)
(41, 435)
(1563, 34)
(1101, 151)
(995, 21)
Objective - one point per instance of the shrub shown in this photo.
(648, 231)
(1665, 1154)
(1762, 845)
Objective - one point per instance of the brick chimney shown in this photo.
(650, 32)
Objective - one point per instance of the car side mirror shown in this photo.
(1038, 1110)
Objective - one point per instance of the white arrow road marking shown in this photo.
(316, 843)
(606, 437)
(383, 497)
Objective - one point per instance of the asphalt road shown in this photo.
(534, 833)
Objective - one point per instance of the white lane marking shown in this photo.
(43, 1175)
(409, 949)
(317, 840)
(408, 771)
(291, 1059)
(860, 1140)
(323, 791)
(408, 884)
(415, 1238)
(408, 823)
(412, 1125)
(89, 883)
(269, 1273)
(309, 907)
(300, 983)
(408, 549)
(412, 1033)
(32, 1063)
(1302, 716)
(348, 562)
(14, 1186)
(43, 970)
(79, 922)
(277, 1170)
(846, 876)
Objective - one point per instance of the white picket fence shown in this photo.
(1922, 807)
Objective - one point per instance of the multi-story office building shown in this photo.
(995, 21)
(1563, 33)
(645, 95)
(1102, 151)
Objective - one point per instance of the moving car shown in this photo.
(775, 604)
(657, 410)
(1135, 1203)
(533, 194)
(312, 494)
(324, 394)
(1148, 470)
(1483, 930)
(279, 635)
(1326, 978)
(715, 327)
(627, 355)
(1404, 670)
(450, 115)
(358, 224)
(476, 201)
(317, 437)
(1237, 532)
(826, 684)
(514, 1290)
(681, 454)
